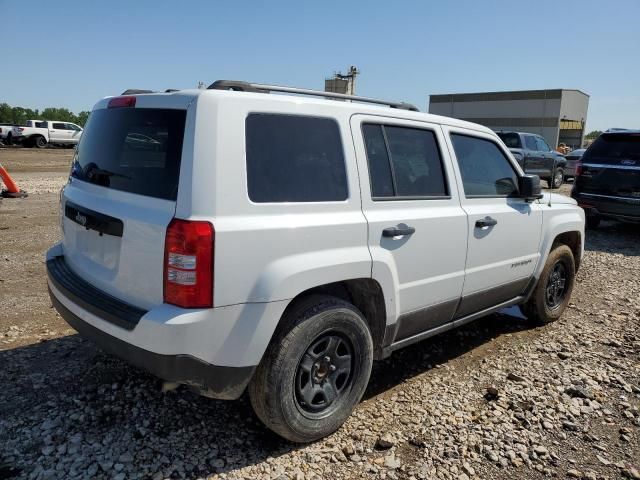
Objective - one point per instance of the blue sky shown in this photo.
(71, 53)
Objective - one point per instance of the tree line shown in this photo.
(20, 115)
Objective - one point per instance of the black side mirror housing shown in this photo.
(529, 187)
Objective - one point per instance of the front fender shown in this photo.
(559, 219)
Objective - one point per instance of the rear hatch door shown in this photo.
(611, 166)
(122, 194)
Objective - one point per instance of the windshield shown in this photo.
(621, 148)
(135, 150)
(511, 140)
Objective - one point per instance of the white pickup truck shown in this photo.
(39, 133)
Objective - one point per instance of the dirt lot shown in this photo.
(566, 400)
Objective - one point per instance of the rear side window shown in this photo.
(136, 150)
(403, 162)
(615, 148)
(485, 170)
(59, 126)
(511, 139)
(292, 158)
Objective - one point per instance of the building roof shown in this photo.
(502, 96)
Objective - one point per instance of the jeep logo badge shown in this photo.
(628, 162)
(81, 219)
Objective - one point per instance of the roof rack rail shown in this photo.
(240, 86)
(135, 91)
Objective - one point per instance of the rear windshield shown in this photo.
(511, 140)
(623, 148)
(135, 150)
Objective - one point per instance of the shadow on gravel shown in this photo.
(65, 404)
(614, 237)
(423, 356)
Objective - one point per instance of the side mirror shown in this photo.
(529, 187)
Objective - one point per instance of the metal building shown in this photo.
(558, 115)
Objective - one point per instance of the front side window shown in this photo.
(530, 142)
(293, 158)
(403, 162)
(485, 170)
(542, 145)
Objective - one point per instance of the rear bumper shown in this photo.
(619, 208)
(174, 344)
(225, 383)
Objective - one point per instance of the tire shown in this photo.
(39, 142)
(592, 221)
(540, 309)
(557, 179)
(306, 358)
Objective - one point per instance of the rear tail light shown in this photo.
(117, 102)
(21, 129)
(578, 168)
(188, 264)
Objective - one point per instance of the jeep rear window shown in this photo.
(136, 150)
(615, 148)
(293, 158)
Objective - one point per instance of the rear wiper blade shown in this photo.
(106, 173)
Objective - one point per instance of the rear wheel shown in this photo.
(40, 142)
(553, 290)
(315, 370)
(558, 178)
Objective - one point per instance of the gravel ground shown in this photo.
(495, 399)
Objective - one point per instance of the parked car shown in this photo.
(535, 156)
(573, 158)
(39, 133)
(608, 178)
(6, 133)
(285, 248)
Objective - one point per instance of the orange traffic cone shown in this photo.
(12, 188)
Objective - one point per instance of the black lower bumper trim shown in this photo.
(85, 295)
(224, 383)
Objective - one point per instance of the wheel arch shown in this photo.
(365, 294)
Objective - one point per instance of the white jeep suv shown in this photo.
(240, 238)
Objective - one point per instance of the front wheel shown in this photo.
(315, 370)
(558, 178)
(553, 290)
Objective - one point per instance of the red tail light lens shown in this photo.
(118, 102)
(578, 168)
(188, 264)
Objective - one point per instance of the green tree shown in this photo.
(593, 134)
(19, 115)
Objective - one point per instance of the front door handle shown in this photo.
(397, 231)
(486, 222)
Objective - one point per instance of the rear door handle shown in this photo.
(397, 231)
(486, 222)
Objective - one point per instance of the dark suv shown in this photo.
(535, 156)
(608, 178)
